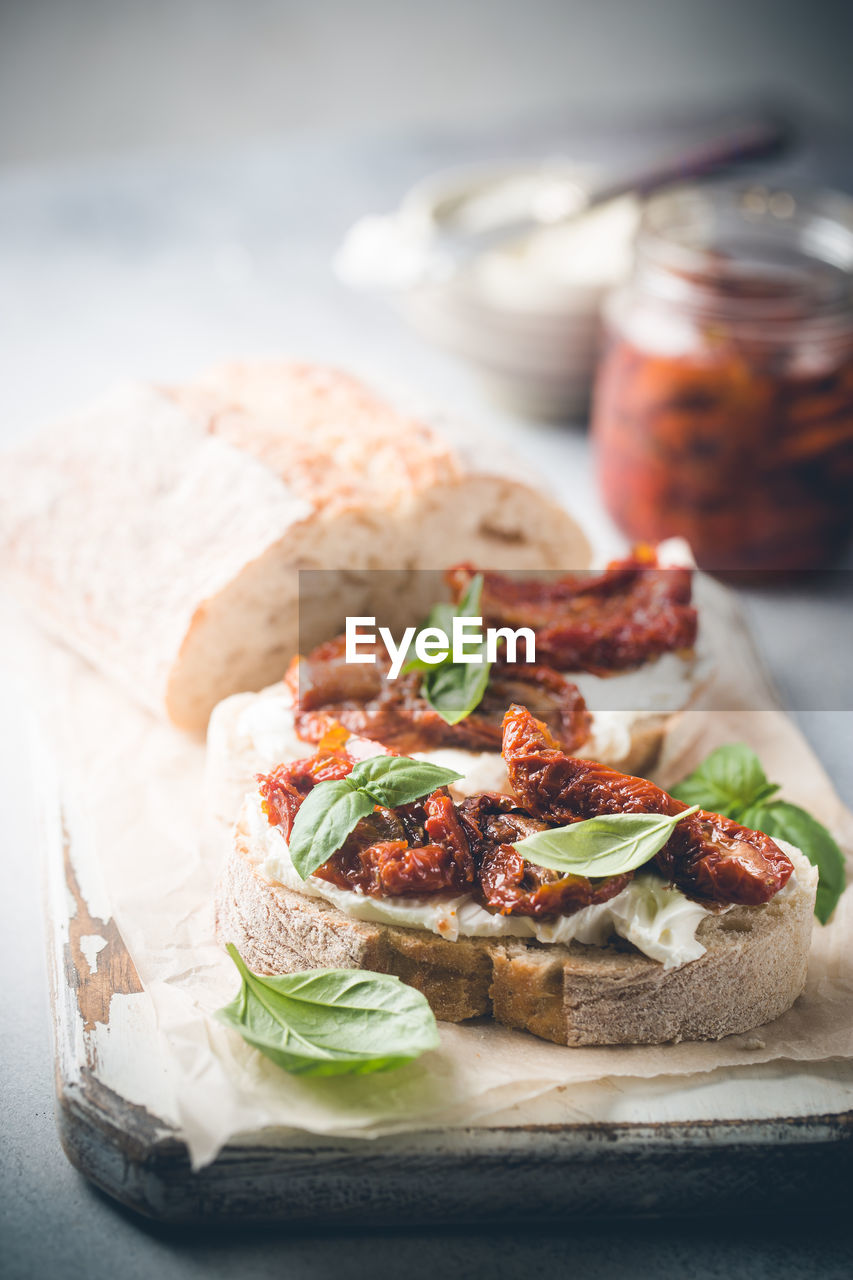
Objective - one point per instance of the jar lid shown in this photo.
(765, 253)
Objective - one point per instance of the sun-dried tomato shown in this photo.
(514, 886)
(415, 849)
(328, 690)
(508, 882)
(285, 787)
(708, 856)
(713, 857)
(606, 622)
(433, 846)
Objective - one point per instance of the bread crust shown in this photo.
(753, 969)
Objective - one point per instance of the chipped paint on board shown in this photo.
(115, 972)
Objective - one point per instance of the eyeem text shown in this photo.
(432, 645)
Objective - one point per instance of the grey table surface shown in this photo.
(153, 268)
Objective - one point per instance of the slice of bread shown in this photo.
(753, 969)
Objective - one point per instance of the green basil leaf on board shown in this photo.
(334, 808)
(785, 821)
(608, 845)
(393, 780)
(326, 1022)
(326, 817)
(729, 780)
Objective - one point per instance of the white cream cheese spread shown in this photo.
(657, 919)
(621, 705)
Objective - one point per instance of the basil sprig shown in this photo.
(607, 845)
(728, 781)
(731, 781)
(330, 812)
(326, 1022)
(454, 689)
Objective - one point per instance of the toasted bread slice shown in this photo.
(753, 969)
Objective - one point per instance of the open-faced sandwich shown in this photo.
(584, 905)
(617, 653)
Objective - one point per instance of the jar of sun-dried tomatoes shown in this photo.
(723, 409)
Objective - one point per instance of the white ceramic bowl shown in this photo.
(524, 312)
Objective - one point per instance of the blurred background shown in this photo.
(186, 181)
(79, 77)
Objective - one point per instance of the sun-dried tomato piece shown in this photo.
(708, 856)
(285, 787)
(444, 828)
(508, 882)
(281, 796)
(512, 885)
(612, 621)
(713, 857)
(548, 694)
(327, 690)
(489, 818)
(388, 868)
(415, 849)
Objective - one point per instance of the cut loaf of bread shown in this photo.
(160, 532)
(753, 969)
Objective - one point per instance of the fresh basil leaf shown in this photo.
(469, 605)
(607, 845)
(440, 616)
(730, 780)
(325, 818)
(327, 1022)
(332, 809)
(393, 780)
(455, 689)
(785, 821)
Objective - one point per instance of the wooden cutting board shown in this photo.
(118, 1127)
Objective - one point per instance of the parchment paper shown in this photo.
(132, 792)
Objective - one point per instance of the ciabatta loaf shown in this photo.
(160, 532)
(753, 969)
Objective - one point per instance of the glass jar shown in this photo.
(723, 407)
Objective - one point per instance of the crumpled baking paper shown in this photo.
(132, 796)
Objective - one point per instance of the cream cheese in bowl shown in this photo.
(559, 268)
(489, 265)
